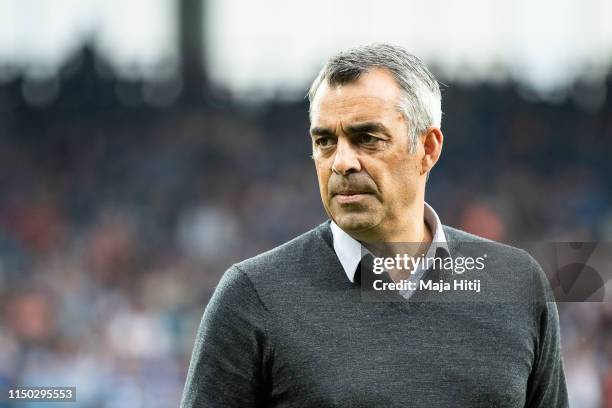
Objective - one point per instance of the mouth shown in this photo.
(349, 197)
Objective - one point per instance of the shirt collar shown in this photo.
(349, 250)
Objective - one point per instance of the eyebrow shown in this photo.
(364, 127)
(321, 131)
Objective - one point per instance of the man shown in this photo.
(289, 328)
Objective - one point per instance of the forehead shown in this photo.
(374, 95)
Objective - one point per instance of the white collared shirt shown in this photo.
(349, 250)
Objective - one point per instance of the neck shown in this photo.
(409, 228)
(411, 237)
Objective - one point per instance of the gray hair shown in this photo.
(421, 101)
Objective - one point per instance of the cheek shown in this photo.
(322, 175)
(398, 179)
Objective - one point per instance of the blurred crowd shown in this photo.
(118, 216)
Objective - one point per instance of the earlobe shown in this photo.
(432, 146)
(426, 164)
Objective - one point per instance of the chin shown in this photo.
(355, 222)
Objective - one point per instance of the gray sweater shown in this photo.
(288, 329)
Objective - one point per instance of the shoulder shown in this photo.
(512, 257)
(457, 238)
(279, 275)
(457, 235)
(514, 267)
(304, 252)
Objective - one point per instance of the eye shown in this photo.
(324, 142)
(368, 139)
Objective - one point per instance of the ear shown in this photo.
(432, 140)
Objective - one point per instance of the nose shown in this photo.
(346, 158)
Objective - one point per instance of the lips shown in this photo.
(349, 192)
(348, 197)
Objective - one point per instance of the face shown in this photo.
(368, 179)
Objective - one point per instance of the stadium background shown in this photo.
(140, 159)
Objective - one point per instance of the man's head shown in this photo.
(375, 127)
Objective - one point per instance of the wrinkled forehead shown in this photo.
(371, 96)
(335, 108)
